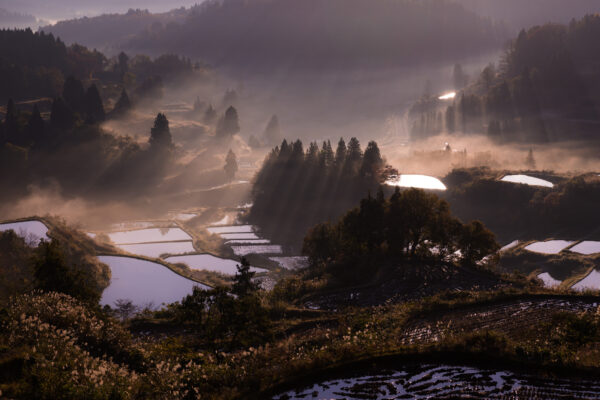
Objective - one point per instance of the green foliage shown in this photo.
(412, 224)
(54, 274)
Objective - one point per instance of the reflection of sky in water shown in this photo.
(209, 262)
(548, 280)
(549, 247)
(587, 247)
(417, 181)
(527, 180)
(144, 282)
(149, 235)
(156, 249)
(590, 282)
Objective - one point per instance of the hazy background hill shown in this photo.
(521, 14)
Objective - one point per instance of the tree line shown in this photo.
(297, 188)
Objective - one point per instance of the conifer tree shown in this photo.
(160, 134)
(231, 166)
(74, 95)
(94, 108)
(123, 105)
(61, 116)
(229, 124)
(340, 153)
(272, 132)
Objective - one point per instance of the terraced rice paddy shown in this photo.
(144, 283)
(510, 318)
(590, 282)
(549, 247)
(217, 230)
(548, 280)
(149, 235)
(417, 181)
(448, 382)
(586, 247)
(509, 246)
(291, 263)
(263, 249)
(239, 236)
(527, 180)
(32, 231)
(208, 262)
(154, 250)
(248, 241)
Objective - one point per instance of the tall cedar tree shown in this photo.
(231, 166)
(94, 109)
(229, 124)
(160, 134)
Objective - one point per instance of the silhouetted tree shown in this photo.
(160, 134)
(74, 95)
(123, 105)
(210, 115)
(372, 160)
(229, 124)
(123, 65)
(340, 153)
(272, 132)
(61, 116)
(231, 166)
(242, 282)
(94, 108)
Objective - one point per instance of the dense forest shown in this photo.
(43, 71)
(318, 34)
(544, 89)
(518, 14)
(296, 189)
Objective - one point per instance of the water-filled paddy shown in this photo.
(248, 241)
(230, 229)
(549, 247)
(590, 282)
(149, 235)
(239, 236)
(430, 382)
(291, 263)
(266, 249)
(156, 249)
(509, 246)
(417, 181)
(208, 262)
(144, 282)
(548, 280)
(586, 248)
(31, 231)
(527, 180)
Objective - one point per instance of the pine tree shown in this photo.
(61, 116)
(231, 166)
(74, 95)
(340, 153)
(123, 105)
(229, 124)
(11, 127)
(94, 108)
(160, 134)
(372, 160)
(326, 158)
(243, 285)
(35, 126)
(210, 115)
(272, 132)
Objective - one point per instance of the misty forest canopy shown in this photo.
(43, 69)
(545, 88)
(310, 33)
(297, 188)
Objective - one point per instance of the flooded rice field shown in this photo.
(549, 247)
(417, 181)
(208, 262)
(548, 280)
(230, 229)
(261, 249)
(587, 248)
(155, 250)
(447, 382)
(590, 282)
(145, 283)
(527, 180)
(149, 235)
